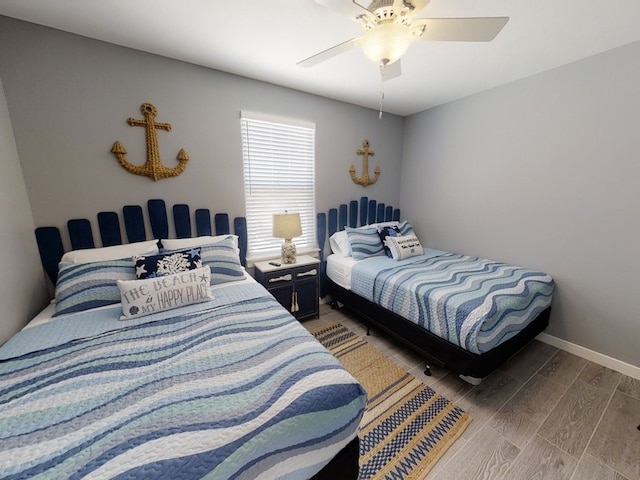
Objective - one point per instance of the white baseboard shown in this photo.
(599, 358)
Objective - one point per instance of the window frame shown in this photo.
(278, 156)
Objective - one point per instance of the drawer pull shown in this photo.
(283, 278)
(309, 273)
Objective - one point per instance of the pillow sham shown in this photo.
(223, 259)
(388, 231)
(404, 246)
(168, 263)
(114, 252)
(339, 243)
(156, 294)
(365, 242)
(405, 228)
(178, 243)
(82, 286)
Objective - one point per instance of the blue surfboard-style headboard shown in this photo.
(81, 236)
(353, 214)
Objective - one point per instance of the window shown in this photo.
(279, 176)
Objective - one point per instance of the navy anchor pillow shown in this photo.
(151, 266)
(388, 231)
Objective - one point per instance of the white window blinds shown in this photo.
(279, 176)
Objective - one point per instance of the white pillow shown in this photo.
(152, 295)
(179, 243)
(115, 252)
(339, 243)
(404, 246)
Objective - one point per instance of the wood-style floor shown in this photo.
(545, 414)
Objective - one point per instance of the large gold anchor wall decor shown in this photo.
(153, 167)
(365, 180)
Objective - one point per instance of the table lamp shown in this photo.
(287, 225)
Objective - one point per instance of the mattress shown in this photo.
(471, 302)
(43, 317)
(233, 387)
(339, 269)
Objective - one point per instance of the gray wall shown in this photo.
(544, 173)
(22, 289)
(69, 98)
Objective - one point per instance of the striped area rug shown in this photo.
(407, 426)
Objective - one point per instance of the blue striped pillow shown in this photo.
(223, 259)
(82, 286)
(405, 228)
(365, 242)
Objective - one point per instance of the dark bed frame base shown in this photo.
(344, 465)
(435, 349)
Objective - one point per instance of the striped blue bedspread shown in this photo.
(469, 301)
(235, 389)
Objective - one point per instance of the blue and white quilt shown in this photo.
(230, 388)
(471, 302)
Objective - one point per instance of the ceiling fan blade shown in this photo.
(328, 53)
(388, 72)
(478, 29)
(354, 10)
(411, 7)
(418, 4)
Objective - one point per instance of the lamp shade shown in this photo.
(286, 225)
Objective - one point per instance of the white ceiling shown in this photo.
(264, 39)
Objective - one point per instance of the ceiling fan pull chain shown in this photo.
(381, 90)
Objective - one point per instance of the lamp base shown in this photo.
(288, 252)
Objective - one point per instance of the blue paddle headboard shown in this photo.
(81, 236)
(354, 214)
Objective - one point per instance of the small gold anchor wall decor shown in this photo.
(364, 180)
(153, 167)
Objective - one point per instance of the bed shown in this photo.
(191, 370)
(462, 313)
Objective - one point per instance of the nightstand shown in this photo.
(294, 285)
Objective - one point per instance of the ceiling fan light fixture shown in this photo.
(386, 43)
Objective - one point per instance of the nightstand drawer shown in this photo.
(278, 278)
(302, 273)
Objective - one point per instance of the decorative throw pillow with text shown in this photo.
(404, 246)
(152, 295)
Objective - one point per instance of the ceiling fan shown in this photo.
(389, 27)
